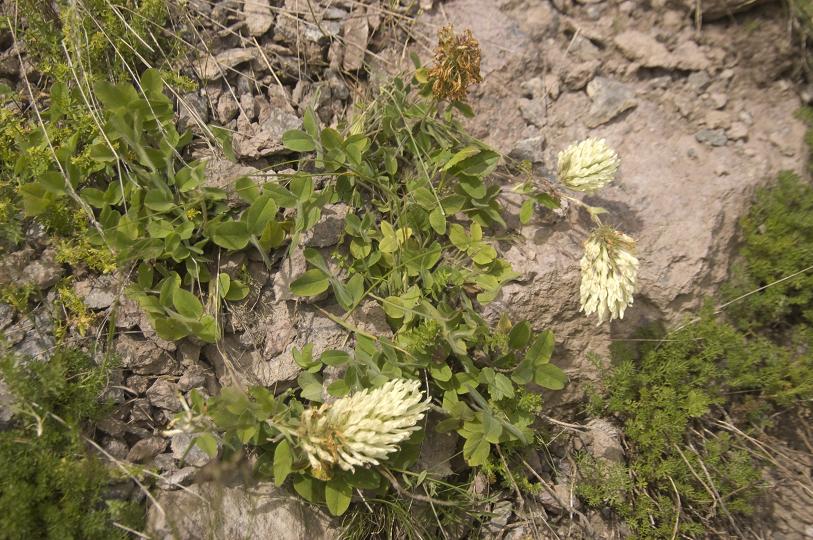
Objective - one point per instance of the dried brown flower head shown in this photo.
(457, 64)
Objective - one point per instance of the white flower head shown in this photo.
(361, 429)
(609, 272)
(588, 165)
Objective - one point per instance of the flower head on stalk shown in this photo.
(609, 272)
(588, 165)
(361, 429)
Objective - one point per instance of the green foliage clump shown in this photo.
(106, 39)
(777, 243)
(669, 396)
(51, 486)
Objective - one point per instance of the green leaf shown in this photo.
(459, 237)
(550, 376)
(502, 387)
(171, 329)
(310, 123)
(332, 139)
(526, 211)
(463, 154)
(438, 221)
(223, 284)
(333, 357)
(524, 373)
(311, 386)
(158, 200)
(337, 496)
(207, 443)
(519, 335)
(94, 197)
(237, 291)
(283, 461)
(297, 140)
(230, 234)
(338, 388)
(492, 428)
(309, 488)
(247, 189)
(260, 213)
(542, 349)
(312, 283)
(187, 304)
(476, 450)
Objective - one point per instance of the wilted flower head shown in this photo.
(609, 270)
(361, 429)
(457, 64)
(588, 165)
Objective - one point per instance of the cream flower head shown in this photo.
(609, 272)
(588, 165)
(362, 429)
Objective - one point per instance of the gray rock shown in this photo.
(713, 137)
(6, 315)
(289, 269)
(232, 361)
(227, 108)
(643, 48)
(280, 330)
(186, 451)
(222, 174)
(138, 384)
(143, 356)
(146, 449)
(6, 405)
(688, 56)
(258, 17)
(531, 149)
(578, 75)
(501, 512)
(216, 511)
(603, 440)
(164, 395)
(265, 138)
(356, 33)
(438, 450)
(193, 110)
(699, 80)
(175, 479)
(610, 98)
(12, 265)
(44, 272)
(330, 227)
(533, 111)
(115, 447)
(98, 292)
(193, 377)
(164, 462)
(737, 131)
(214, 67)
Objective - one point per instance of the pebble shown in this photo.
(719, 100)
(737, 131)
(714, 137)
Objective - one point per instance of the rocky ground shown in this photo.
(700, 109)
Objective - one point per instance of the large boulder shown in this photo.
(215, 512)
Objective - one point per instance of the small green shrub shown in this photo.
(667, 395)
(51, 486)
(777, 242)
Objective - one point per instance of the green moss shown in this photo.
(51, 486)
